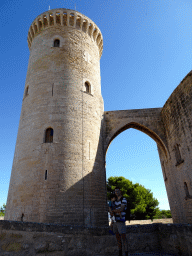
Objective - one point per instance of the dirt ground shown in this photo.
(141, 222)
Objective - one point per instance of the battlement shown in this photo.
(65, 17)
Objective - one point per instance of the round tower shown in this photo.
(58, 173)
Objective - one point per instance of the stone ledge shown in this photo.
(69, 229)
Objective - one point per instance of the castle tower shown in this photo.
(58, 173)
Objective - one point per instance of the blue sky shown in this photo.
(147, 53)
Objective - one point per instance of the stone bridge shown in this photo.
(148, 121)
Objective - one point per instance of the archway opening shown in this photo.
(133, 154)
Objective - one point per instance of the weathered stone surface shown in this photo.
(111, 250)
(41, 246)
(25, 246)
(54, 247)
(159, 238)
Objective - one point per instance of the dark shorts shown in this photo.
(119, 227)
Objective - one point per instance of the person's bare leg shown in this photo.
(125, 243)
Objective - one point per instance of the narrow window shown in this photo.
(188, 196)
(179, 160)
(87, 87)
(27, 91)
(22, 215)
(49, 135)
(89, 149)
(52, 89)
(56, 43)
(46, 175)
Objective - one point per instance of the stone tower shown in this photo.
(58, 173)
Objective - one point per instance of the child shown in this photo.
(113, 197)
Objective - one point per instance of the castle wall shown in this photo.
(177, 120)
(55, 96)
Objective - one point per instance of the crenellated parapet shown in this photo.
(69, 18)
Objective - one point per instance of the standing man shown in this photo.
(119, 227)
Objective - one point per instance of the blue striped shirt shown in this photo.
(118, 204)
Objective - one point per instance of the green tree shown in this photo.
(161, 214)
(141, 201)
(166, 213)
(2, 210)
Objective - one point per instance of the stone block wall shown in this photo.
(27, 238)
(177, 120)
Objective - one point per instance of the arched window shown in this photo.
(49, 135)
(87, 87)
(178, 157)
(56, 43)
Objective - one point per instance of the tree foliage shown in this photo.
(2, 210)
(141, 201)
(161, 214)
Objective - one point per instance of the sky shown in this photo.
(146, 54)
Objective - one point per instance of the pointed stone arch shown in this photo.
(141, 128)
(147, 121)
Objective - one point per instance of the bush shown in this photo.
(162, 214)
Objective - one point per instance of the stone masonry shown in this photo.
(64, 133)
(27, 238)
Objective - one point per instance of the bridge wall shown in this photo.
(27, 238)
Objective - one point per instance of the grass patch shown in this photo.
(16, 235)
(2, 236)
(16, 247)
